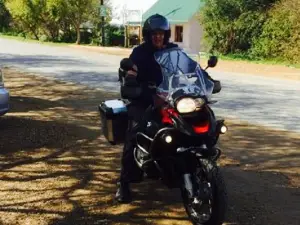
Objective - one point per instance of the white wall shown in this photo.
(192, 34)
(195, 35)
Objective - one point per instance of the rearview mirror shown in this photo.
(212, 61)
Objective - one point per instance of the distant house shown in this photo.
(186, 30)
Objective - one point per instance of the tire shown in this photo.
(219, 195)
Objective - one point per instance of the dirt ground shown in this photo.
(57, 168)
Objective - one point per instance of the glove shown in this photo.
(130, 89)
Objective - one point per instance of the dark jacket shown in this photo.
(136, 88)
(148, 72)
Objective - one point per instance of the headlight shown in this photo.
(187, 105)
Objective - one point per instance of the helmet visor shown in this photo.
(159, 24)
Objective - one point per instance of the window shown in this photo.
(178, 33)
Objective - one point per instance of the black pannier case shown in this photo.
(114, 120)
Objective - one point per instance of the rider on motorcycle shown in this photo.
(138, 88)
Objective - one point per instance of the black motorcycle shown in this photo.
(178, 142)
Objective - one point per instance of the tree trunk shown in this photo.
(36, 36)
(78, 35)
(35, 33)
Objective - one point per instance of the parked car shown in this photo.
(4, 96)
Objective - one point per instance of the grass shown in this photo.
(13, 37)
(2, 35)
(246, 58)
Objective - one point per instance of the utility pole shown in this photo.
(102, 22)
(125, 18)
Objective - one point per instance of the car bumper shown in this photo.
(4, 101)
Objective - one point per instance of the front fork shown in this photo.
(186, 166)
(192, 182)
(188, 185)
(196, 191)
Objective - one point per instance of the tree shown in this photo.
(281, 33)
(81, 11)
(26, 14)
(5, 17)
(53, 17)
(231, 25)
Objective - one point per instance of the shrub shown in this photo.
(230, 26)
(281, 33)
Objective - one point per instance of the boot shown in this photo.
(123, 194)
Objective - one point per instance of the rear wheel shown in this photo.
(210, 204)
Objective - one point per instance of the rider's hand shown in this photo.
(151, 85)
(133, 72)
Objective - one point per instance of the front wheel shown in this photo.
(209, 205)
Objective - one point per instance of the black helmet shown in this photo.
(154, 23)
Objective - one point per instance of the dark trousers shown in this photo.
(130, 172)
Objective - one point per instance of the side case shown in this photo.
(114, 120)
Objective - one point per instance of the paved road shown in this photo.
(266, 101)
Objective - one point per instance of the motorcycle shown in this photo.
(178, 142)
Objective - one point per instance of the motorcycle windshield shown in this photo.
(181, 73)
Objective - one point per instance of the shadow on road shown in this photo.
(260, 148)
(70, 176)
(254, 198)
